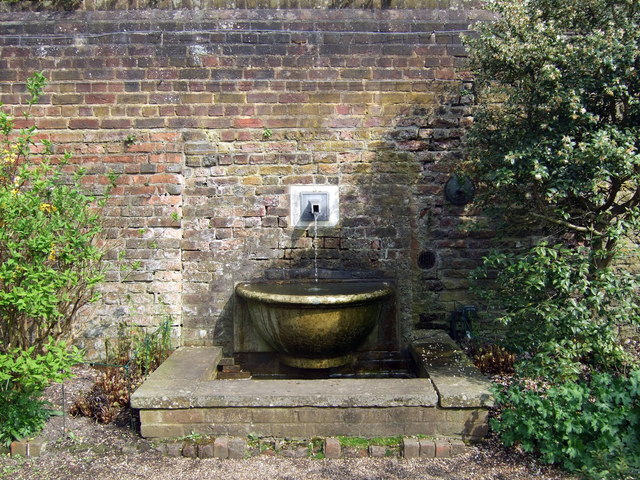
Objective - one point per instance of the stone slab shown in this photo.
(458, 382)
(188, 364)
(182, 382)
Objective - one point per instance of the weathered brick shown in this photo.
(174, 449)
(221, 447)
(377, 451)
(442, 448)
(237, 447)
(410, 448)
(206, 450)
(427, 448)
(190, 450)
(332, 448)
(457, 446)
(192, 415)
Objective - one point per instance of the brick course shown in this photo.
(310, 422)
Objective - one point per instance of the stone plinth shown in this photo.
(182, 398)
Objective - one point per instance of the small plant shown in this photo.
(362, 442)
(112, 177)
(267, 133)
(141, 351)
(492, 359)
(24, 374)
(107, 398)
(138, 354)
(314, 448)
(130, 140)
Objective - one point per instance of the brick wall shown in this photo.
(208, 116)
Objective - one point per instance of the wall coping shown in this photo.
(127, 5)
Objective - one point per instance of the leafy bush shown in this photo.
(555, 149)
(24, 375)
(49, 260)
(561, 311)
(590, 426)
(555, 142)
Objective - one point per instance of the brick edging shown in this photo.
(238, 448)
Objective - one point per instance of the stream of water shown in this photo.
(315, 246)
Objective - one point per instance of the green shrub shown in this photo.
(554, 151)
(24, 374)
(49, 260)
(590, 426)
(560, 311)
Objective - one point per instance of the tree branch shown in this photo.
(566, 224)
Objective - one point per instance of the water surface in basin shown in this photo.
(372, 364)
(322, 292)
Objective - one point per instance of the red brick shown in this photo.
(332, 448)
(84, 123)
(99, 98)
(119, 123)
(164, 178)
(247, 123)
(443, 448)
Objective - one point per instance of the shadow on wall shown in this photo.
(394, 224)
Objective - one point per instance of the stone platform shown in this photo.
(183, 397)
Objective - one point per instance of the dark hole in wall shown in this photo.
(427, 260)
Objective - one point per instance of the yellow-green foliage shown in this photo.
(49, 261)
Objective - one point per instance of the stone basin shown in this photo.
(314, 324)
(184, 397)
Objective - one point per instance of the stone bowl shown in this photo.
(314, 324)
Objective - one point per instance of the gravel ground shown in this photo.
(87, 450)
